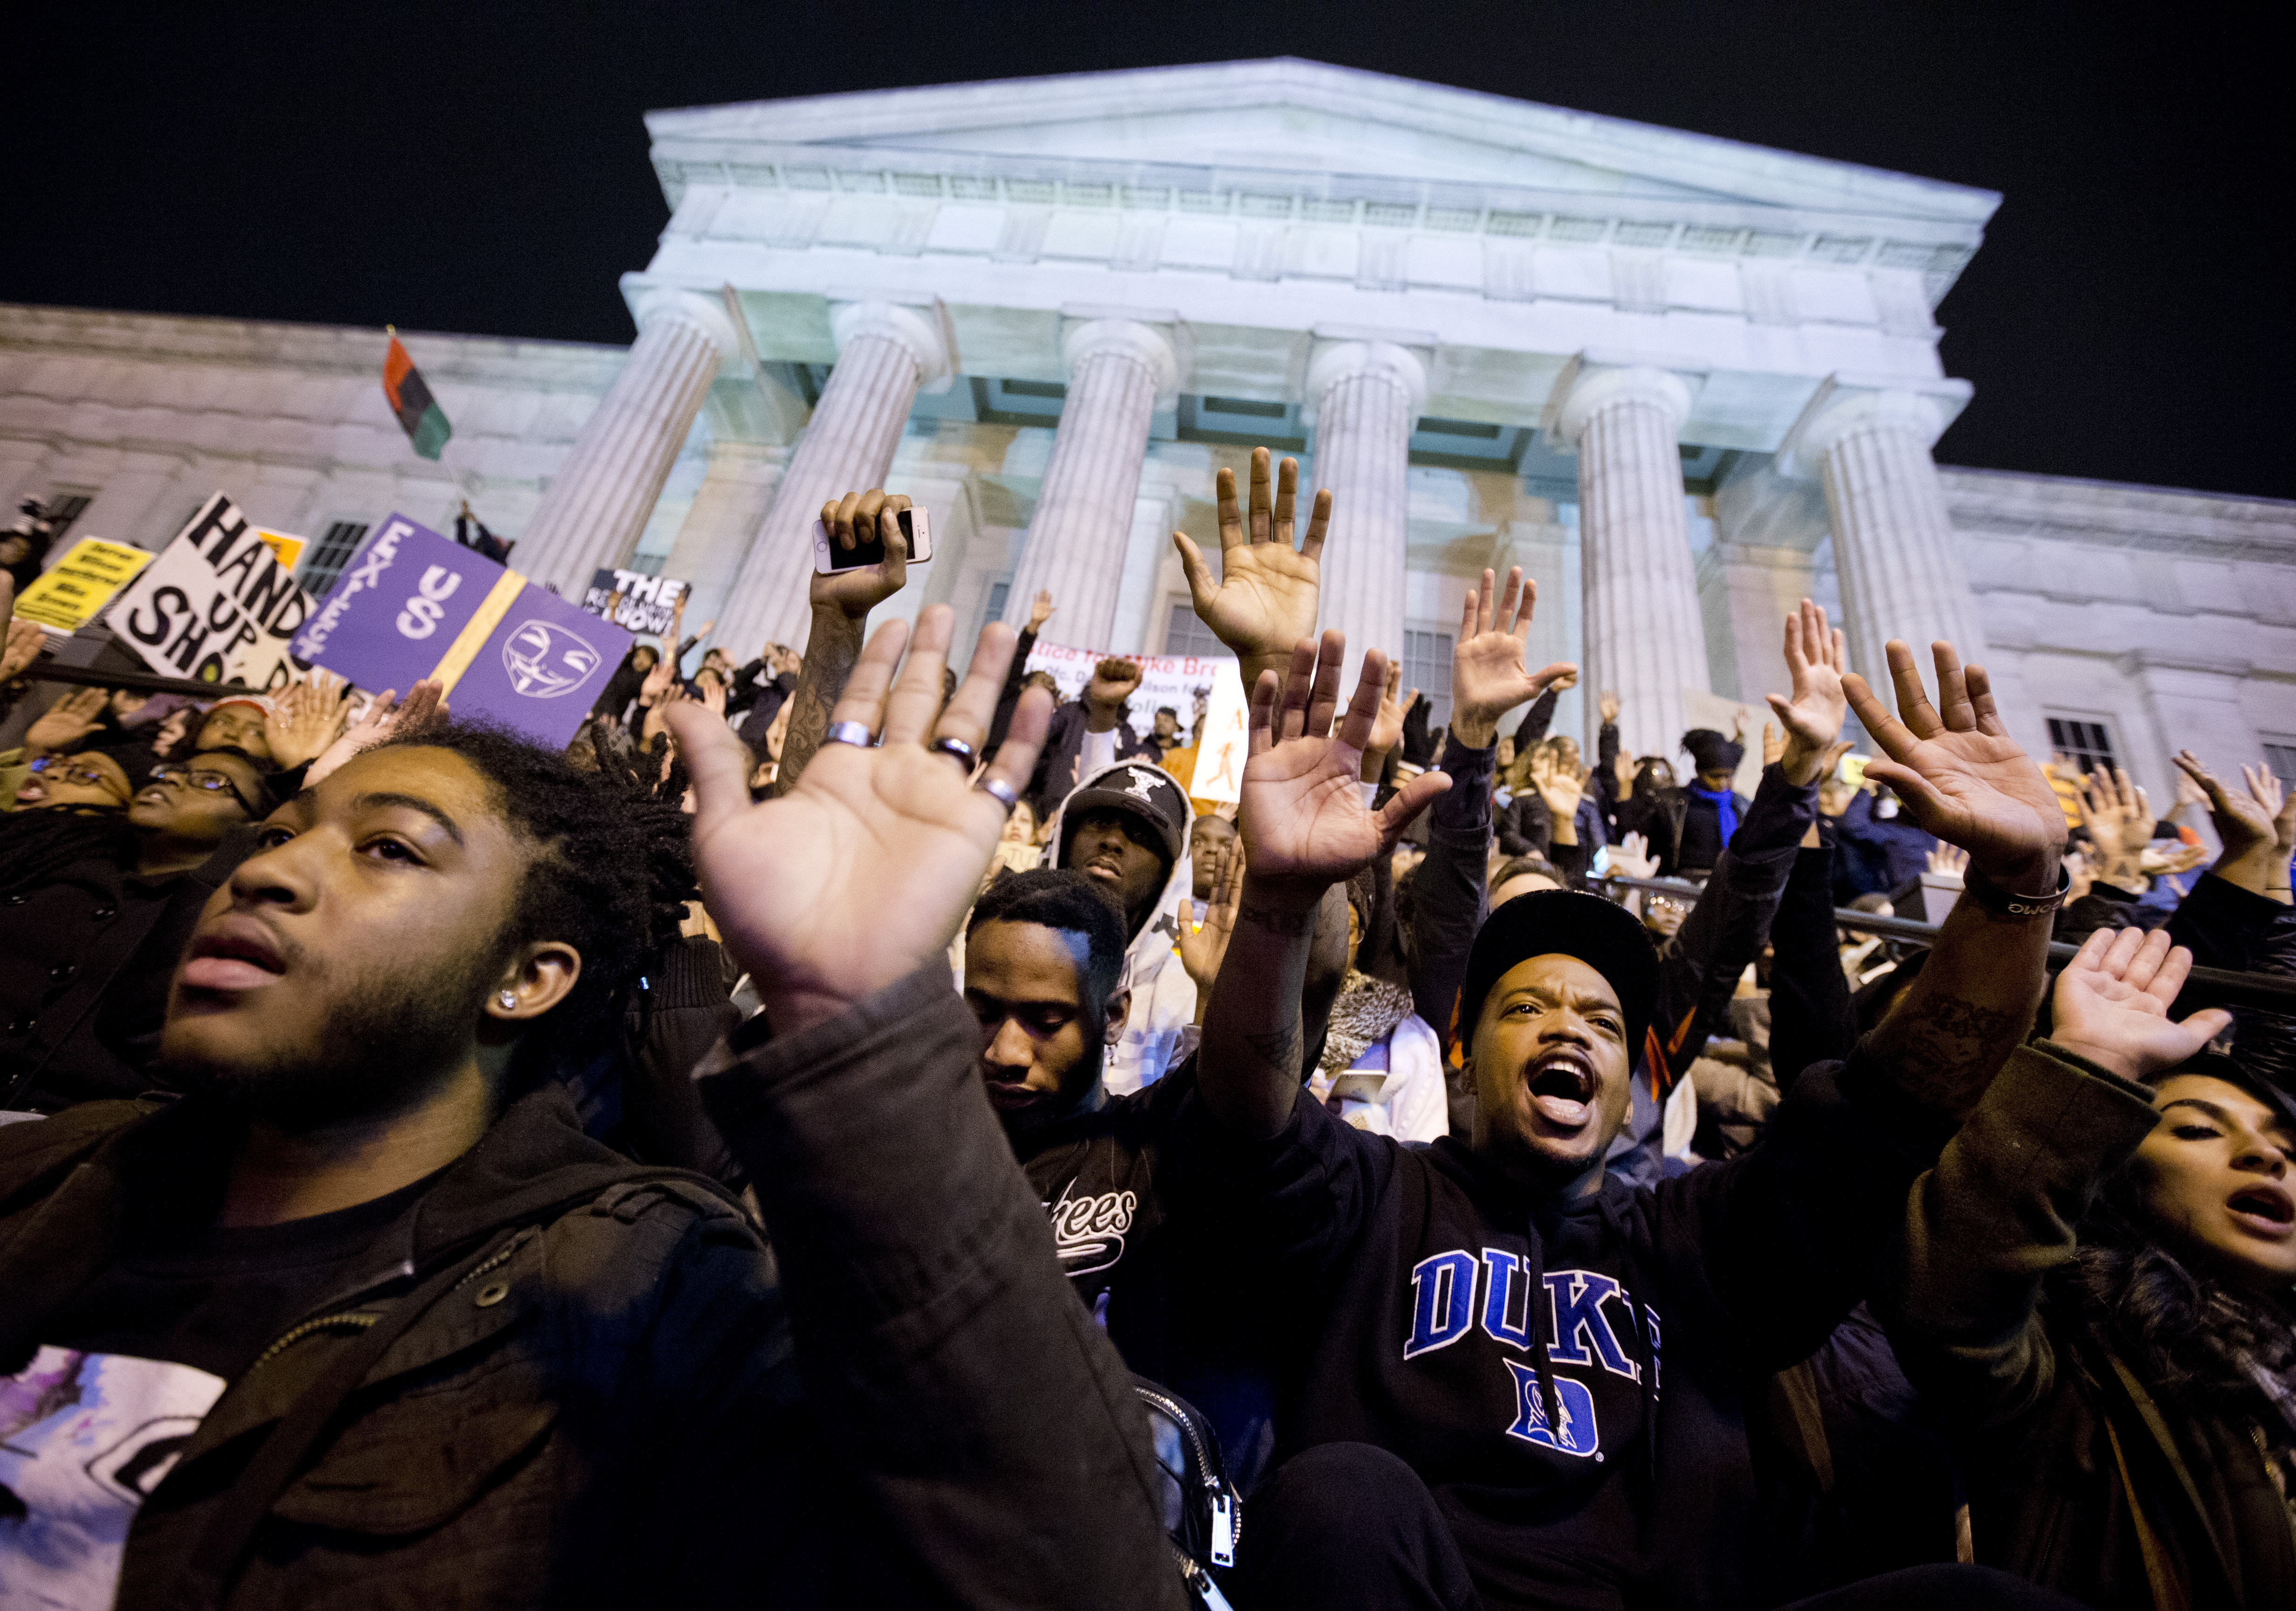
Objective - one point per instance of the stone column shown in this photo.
(1646, 638)
(1083, 526)
(727, 508)
(596, 506)
(884, 352)
(1894, 546)
(1363, 398)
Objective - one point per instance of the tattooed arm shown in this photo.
(1305, 828)
(1966, 781)
(842, 604)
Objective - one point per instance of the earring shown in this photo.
(508, 1001)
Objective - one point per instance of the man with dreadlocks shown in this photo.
(1528, 1383)
(363, 1318)
(2094, 1286)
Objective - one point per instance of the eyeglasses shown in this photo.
(213, 782)
(60, 767)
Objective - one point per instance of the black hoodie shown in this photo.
(1530, 1421)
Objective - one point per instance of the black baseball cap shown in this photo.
(1606, 937)
(1139, 789)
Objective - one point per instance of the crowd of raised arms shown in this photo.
(853, 1130)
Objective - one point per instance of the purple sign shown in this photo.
(408, 606)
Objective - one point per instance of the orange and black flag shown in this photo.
(419, 413)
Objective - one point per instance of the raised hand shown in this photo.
(1610, 707)
(2112, 1000)
(1959, 772)
(1488, 678)
(1630, 858)
(1387, 726)
(26, 640)
(849, 520)
(2120, 822)
(713, 697)
(66, 722)
(860, 874)
(658, 678)
(1302, 818)
(384, 715)
(2256, 823)
(1558, 785)
(1202, 949)
(306, 718)
(1947, 860)
(1264, 600)
(1816, 659)
(1041, 611)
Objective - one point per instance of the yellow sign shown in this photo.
(284, 548)
(69, 593)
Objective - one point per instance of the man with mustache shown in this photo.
(1528, 1383)
(364, 1318)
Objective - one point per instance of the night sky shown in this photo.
(483, 167)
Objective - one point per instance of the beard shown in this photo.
(386, 1042)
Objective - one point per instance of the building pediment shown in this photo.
(1341, 130)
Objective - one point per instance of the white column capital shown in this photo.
(651, 305)
(1149, 344)
(1843, 405)
(915, 329)
(1593, 387)
(1333, 362)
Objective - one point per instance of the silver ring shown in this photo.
(956, 749)
(1000, 791)
(855, 734)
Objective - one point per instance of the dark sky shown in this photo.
(483, 167)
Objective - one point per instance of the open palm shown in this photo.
(1264, 600)
(1487, 675)
(1302, 814)
(2112, 1000)
(1960, 772)
(860, 874)
(1814, 712)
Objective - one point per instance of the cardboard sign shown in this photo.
(635, 601)
(285, 549)
(67, 595)
(413, 604)
(216, 605)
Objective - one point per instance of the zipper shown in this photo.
(362, 1319)
(1213, 1489)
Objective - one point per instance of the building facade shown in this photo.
(1682, 381)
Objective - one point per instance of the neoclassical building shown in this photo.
(1680, 381)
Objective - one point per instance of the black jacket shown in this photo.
(2229, 926)
(2072, 1459)
(1454, 1317)
(1056, 765)
(85, 968)
(607, 1397)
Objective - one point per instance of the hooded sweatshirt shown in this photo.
(1572, 1379)
(1163, 995)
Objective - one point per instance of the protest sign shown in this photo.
(1186, 683)
(635, 601)
(217, 605)
(413, 604)
(66, 596)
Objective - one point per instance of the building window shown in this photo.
(2281, 759)
(329, 555)
(999, 591)
(1427, 666)
(63, 508)
(1186, 634)
(2087, 744)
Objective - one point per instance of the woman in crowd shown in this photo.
(2095, 1284)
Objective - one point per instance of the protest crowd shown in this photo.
(850, 1127)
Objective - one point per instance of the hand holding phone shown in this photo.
(829, 557)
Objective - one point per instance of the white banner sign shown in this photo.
(1184, 684)
(216, 605)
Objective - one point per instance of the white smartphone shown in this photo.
(828, 558)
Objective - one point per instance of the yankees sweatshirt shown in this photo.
(1572, 1379)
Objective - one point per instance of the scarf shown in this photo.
(1725, 809)
(1367, 1011)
